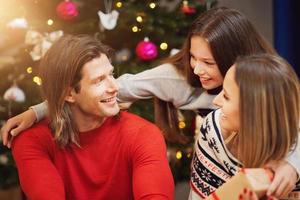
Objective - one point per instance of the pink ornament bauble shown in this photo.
(67, 10)
(146, 50)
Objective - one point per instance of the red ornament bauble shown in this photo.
(67, 10)
(146, 50)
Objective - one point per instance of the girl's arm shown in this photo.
(40, 110)
(22, 121)
(294, 158)
(163, 82)
(286, 174)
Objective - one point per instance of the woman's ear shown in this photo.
(70, 97)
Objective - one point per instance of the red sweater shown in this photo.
(125, 158)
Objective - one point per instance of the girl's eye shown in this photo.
(210, 63)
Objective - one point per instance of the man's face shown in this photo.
(97, 98)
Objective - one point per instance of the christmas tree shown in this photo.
(142, 33)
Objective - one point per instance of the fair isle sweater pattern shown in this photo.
(212, 163)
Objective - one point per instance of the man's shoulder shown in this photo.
(34, 142)
(41, 127)
(39, 131)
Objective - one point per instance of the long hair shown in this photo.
(269, 109)
(60, 70)
(229, 34)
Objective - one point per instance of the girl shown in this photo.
(190, 79)
(258, 122)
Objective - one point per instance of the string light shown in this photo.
(135, 29)
(139, 19)
(119, 4)
(124, 58)
(185, 3)
(188, 155)
(163, 46)
(3, 159)
(181, 125)
(29, 70)
(178, 155)
(50, 22)
(37, 80)
(152, 5)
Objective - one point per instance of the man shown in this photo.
(87, 149)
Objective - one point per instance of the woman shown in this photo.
(190, 79)
(257, 123)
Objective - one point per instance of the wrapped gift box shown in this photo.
(256, 179)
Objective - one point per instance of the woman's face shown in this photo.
(204, 64)
(228, 101)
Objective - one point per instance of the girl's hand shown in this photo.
(15, 125)
(284, 181)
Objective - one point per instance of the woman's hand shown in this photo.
(15, 125)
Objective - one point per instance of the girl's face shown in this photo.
(228, 101)
(204, 64)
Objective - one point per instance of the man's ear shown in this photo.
(70, 95)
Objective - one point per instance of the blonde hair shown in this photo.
(269, 109)
(60, 70)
